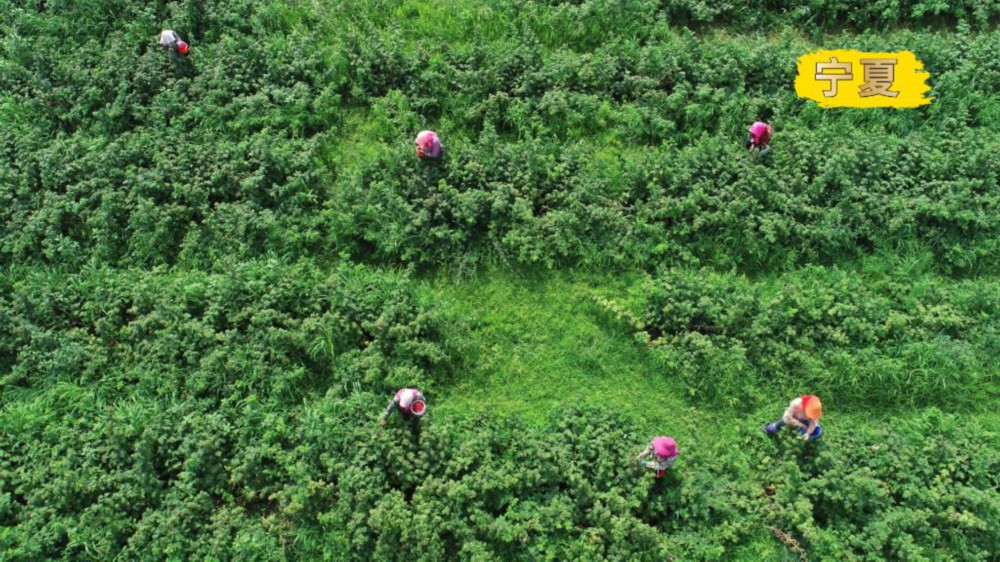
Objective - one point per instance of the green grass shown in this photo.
(537, 344)
(533, 343)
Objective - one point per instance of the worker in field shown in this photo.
(172, 42)
(409, 401)
(759, 138)
(803, 413)
(664, 451)
(428, 145)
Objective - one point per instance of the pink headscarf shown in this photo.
(665, 447)
(406, 397)
(428, 144)
(761, 133)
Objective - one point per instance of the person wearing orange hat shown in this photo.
(664, 451)
(410, 401)
(803, 413)
(172, 42)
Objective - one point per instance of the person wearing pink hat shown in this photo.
(759, 138)
(428, 145)
(664, 451)
(409, 401)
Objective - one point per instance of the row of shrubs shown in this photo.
(225, 415)
(626, 151)
(754, 14)
(134, 404)
(709, 203)
(883, 339)
(262, 327)
(148, 478)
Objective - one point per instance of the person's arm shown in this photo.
(790, 419)
(748, 142)
(809, 429)
(645, 453)
(388, 411)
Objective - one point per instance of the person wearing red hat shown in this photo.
(172, 42)
(409, 401)
(664, 451)
(802, 413)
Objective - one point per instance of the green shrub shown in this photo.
(912, 490)
(862, 340)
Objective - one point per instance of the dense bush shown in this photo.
(921, 489)
(179, 481)
(524, 203)
(835, 14)
(161, 394)
(496, 490)
(870, 339)
(139, 160)
(262, 328)
(111, 149)
(707, 204)
(191, 366)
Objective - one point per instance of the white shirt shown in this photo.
(169, 38)
(795, 411)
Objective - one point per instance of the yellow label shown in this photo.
(844, 78)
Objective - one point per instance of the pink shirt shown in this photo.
(410, 393)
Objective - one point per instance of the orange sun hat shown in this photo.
(812, 407)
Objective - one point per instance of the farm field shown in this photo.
(217, 269)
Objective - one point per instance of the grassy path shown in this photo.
(535, 343)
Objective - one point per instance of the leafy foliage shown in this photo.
(161, 395)
(262, 329)
(871, 340)
(622, 150)
(192, 360)
(914, 490)
(708, 204)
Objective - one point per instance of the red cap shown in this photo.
(182, 47)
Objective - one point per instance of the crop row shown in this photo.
(882, 339)
(293, 144)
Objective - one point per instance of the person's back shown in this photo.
(409, 401)
(169, 38)
(172, 42)
(664, 451)
(802, 413)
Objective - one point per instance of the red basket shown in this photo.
(418, 407)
